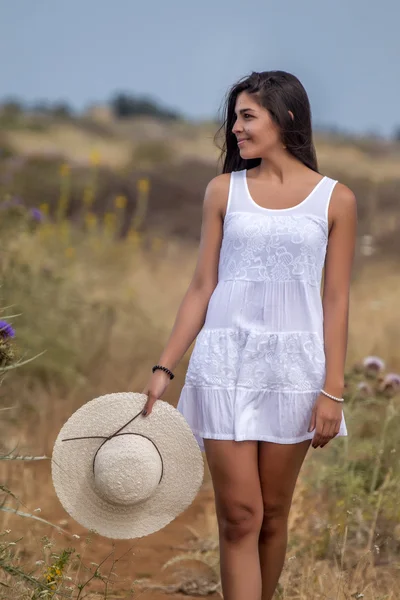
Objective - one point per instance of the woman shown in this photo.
(266, 374)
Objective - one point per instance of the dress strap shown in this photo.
(237, 193)
(318, 202)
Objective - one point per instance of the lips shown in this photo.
(243, 140)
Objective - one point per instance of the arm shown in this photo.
(327, 413)
(337, 277)
(193, 308)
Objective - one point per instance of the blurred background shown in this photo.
(108, 113)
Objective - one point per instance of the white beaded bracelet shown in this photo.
(333, 397)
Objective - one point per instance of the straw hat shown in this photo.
(124, 475)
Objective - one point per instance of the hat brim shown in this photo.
(73, 478)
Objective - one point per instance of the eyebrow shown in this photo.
(243, 110)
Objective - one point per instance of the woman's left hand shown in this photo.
(325, 419)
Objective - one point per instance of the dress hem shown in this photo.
(260, 438)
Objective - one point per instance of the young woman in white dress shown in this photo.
(266, 375)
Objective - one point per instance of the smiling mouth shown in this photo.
(241, 141)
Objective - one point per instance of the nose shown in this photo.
(236, 127)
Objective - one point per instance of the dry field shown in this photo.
(103, 309)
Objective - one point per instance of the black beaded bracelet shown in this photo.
(170, 373)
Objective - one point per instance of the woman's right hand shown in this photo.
(154, 389)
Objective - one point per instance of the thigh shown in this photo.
(234, 472)
(279, 466)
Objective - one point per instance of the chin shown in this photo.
(246, 155)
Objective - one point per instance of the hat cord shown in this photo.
(115, 434)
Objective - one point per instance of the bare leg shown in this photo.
(279, 467)
(239, 508)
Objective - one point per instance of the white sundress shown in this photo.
(258, 363)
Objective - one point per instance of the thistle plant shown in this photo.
(7, 351)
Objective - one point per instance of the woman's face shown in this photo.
(256, 132)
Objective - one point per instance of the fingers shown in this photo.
(148, 407)
(321, 435)
(320, 440)
(331, 436)
(325, 432)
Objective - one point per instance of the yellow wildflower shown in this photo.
(109, 219)
(64, 169)
(90, 219)
(120, 201)
(95, 157)
(143, 185)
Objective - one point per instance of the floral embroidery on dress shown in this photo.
(291, 361)
(272, 248)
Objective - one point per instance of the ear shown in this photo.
(291, 115)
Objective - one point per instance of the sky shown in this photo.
(186, 55)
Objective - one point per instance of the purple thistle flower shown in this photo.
(365, 388)
(36, 214)
(373, 364)
(391, 381)
(6, 331)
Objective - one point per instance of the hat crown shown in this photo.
(123, 475)
(127, 470)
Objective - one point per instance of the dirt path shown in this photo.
(143, 558)
(147, 555)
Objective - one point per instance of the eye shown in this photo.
(247, 115)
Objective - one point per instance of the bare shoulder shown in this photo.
(343, 205)
(219, 183)
(343, 198)
(217, 192)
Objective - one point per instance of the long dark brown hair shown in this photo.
(278, 92)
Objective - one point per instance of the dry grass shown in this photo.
(103, 310)
(142, 284)
(70, 141)
(374, 326)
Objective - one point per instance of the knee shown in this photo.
(275, 519)
(239, 521)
